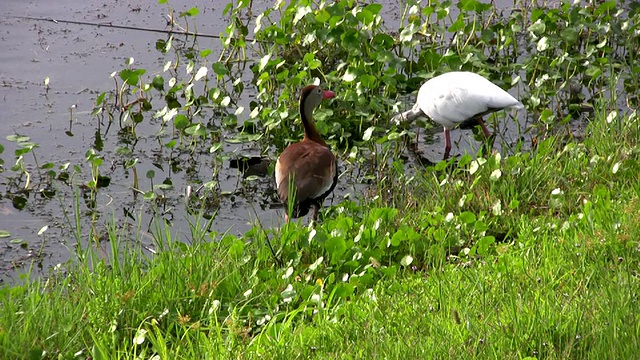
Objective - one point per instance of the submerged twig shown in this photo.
(111, 25)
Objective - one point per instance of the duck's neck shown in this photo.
(310, 131)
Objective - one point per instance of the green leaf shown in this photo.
(439, 234)
(158, 83)
(343, 290)
(467, 217)
(373, 8)
(538, 28)
(457, 25)
(365, 16)
(131, 77)
(196, 130)
(480, 226)
(383, 41)
(221, 69)
(484, 244)
(605, 7)
(569, 35)
(407, 32)
(593, 71)
(191, 12)
(237, 248)
(336, 247)
(398, 236)
(323, 16)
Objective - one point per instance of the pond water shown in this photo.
(78, 60)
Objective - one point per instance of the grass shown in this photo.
(560, 281)
(534, 255)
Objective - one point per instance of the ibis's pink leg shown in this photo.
(486, 132)
(487, 135)
(286, 217)
(447, 143)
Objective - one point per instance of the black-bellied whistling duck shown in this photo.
(458, 97)
(307, 171)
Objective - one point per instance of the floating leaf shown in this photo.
(17, 138)
(43, 229)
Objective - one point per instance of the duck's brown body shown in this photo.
(307, 172)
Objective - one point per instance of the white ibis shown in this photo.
(457, 97)
(307, 171)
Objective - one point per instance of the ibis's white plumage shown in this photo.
(455, 97)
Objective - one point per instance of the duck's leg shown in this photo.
(314, 214)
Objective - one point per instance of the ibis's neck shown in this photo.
(310, 131)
